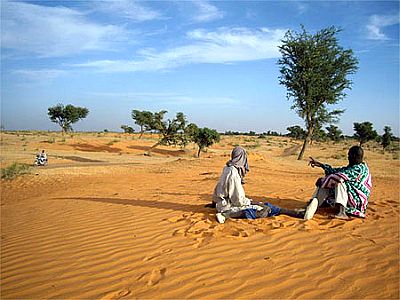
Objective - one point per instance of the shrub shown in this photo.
(14, 170)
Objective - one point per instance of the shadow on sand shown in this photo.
(145, 203)
(185, 207)
(178, 152)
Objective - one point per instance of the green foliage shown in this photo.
(364, 132)
(144, 119)
(314, 69)
(66, 115)
(319, 134)
(191, 131)
(386, 137)
(296, 132)
(204, 137)
(14, 170)
(127, 129)
(172, 131)
(333, 133)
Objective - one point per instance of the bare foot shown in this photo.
(341, 216)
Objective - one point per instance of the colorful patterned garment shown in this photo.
(358, 182)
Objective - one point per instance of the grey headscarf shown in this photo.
(239, 161)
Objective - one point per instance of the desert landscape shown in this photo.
(104, 221)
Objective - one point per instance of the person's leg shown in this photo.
(292, 213)
(221, 217)
(341, 199)
(319, 196)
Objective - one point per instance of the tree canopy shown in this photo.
(144, 119)
(364, 132)
(66, 115)
(314, 69)
(296, 132)
(333, 133)
(127, 129)
(203, 137)
(386, 137)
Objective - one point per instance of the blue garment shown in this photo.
(250, 213)
(275, 210)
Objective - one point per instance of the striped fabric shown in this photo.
(358, 182)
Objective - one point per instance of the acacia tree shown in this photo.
(314, 69)
(333, 133)
(364, 132)
(143, 119)
(296, 132)
(66, 115)
(127, 129)
(386, 137)
(203, 137)
(172, 132)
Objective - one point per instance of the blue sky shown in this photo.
(216, 61)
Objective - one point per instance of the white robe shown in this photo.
(229, 193)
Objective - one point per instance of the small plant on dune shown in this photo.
(14, 170)
(51, 141)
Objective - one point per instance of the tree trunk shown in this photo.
(141, 132)
(152, 148)
(198, 153)
(306, 142)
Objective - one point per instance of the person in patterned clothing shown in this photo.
(349, 186)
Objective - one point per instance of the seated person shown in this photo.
(229, 197)
(43, 156)
(350, 186)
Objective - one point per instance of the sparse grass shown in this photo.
(14, 170)
(396, 155)
(112, 142)
(339, 156)
(250, 140)
(51, 140)
(253, 146)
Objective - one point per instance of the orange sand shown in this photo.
(121, 225)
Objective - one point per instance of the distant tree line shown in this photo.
(363, 132)
(176, 131)
(179, 132)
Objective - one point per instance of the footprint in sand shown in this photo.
(117, 295)
(156, 276)
(156, 255)
(238, 233)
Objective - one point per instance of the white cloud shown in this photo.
(166, 98)
(132, 10)
(206, 12)
(42, 74)
(54, 31)
(301, 6)
(377, 23)
(226, 45)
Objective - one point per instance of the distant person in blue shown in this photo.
(229, 197)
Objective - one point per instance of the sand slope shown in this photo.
(142, 232)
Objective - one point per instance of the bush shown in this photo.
(14, 170)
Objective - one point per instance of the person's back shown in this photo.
(229, 191)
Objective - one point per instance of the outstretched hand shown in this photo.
(314, 163)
